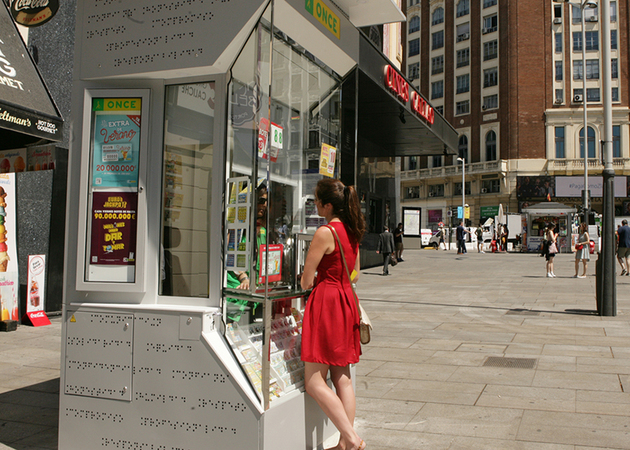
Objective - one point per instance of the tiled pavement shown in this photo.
(424, 382)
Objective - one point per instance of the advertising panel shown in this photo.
(9, 280)
(116, 142)
(114, 228)
(411, 221)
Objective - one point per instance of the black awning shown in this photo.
(27, 111)
(387, 125)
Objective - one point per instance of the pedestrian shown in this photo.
(623, 246)
(552, 249)
(398, 241)
(441, 236)
(583, 250)
(460, 235)
(479, 234)
(330, 327)
(386, 247)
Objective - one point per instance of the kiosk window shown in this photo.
(187, 190)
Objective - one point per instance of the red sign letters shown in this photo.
(397, 84)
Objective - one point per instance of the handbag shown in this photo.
(579, 246)
(365, 325)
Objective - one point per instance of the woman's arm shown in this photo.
(357, 267)
(322, 244)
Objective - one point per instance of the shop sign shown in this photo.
(396, 83)
(489, 211)
(116, 142)
(114, 228)
(33, 13)
(325, 16)
(327, 160)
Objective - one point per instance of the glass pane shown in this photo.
(188, 153)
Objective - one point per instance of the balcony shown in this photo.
(576, 166)
(479, 168)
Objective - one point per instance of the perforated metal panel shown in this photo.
(142, 36)
(98, 356)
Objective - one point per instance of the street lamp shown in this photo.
(582, 6)
(463, 160)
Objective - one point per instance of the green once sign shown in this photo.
(489, 211)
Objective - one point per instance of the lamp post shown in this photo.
(582, 6)
(463, 160)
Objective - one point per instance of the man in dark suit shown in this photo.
(386, 247)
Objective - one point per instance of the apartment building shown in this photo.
(509, 76)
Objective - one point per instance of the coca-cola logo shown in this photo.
(38, 315)
(33, 13)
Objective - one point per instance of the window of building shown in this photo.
(463, 8)
(557, 11)
(458, 188)
(490, 50)
(490, 186)
(490, 102)
(437, 16)
(463, 57)
(613, 11)
(436, 190)
(463, 83)
(412, 192)
(592, 95)
(412, 163)
(437, 89)
(414, 24)
(590, 14)
(558, 37)
(592, 41)
(490, 77)
(440, 109)
(559, 131)
(558, 70)
(413, 2)
(491, 146)
(462, 107)
(490, 24)
(592, 69)
(613, 39)
(437, 64)
(614, 69)
(615, 94)
(591, 142)
(489, 3)
(463, 31)
(437, 40)
(414, 71)
(616, 143)
(559, 95)
(437, 161)
(414, 47)
(462, 148)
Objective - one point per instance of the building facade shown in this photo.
(509, 76)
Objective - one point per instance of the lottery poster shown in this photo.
(116, 142)
(9, 277)
(274, 263)
(114, 228)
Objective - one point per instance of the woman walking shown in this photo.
(551, 238)
(330, 330)
(582, 250)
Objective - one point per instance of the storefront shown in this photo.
(32, 184)
(539, 216)
(200, 138)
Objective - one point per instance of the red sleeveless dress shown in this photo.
(330, 327)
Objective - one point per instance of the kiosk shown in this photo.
(538, 216)
(200, 131)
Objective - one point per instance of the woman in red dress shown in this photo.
(330, 330)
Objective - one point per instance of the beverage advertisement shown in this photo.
(116, 142)
(9, 280)
(114, 227)
(36, 282)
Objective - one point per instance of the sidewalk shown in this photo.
(476, 351)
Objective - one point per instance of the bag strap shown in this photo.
(345, 264)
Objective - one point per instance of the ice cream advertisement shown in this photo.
(114, 227)
(36, 283)
(9, 281)
(13, 160)
(327, 160)
(116, 142)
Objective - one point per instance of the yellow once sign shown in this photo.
(324, 15)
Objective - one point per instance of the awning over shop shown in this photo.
(393, 118)
(549, 208)
(27, 111)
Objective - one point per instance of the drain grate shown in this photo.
(510, 363)
(522, 312)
